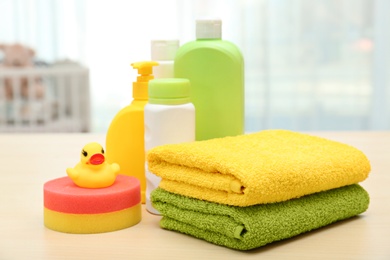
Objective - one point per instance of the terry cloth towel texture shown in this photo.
(250, 227)
(265, 167)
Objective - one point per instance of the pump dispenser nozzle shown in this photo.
(145, 70)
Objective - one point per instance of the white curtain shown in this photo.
(55, 29)
(309, 64)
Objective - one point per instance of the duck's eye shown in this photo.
(102, 151)
(84, 153)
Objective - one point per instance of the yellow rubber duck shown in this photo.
(93, 171)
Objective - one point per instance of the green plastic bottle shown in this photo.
(215, 69)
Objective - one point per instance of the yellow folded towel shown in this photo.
(264, 167)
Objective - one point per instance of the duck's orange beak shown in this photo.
(97, 159)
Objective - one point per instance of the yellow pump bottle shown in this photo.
(125, 136)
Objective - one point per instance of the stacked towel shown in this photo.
(262, 168)
(250, 227)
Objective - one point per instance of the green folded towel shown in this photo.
(250, 227)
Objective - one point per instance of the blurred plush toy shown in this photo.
(28, 90)
(20, 56)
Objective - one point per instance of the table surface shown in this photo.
(29, 160)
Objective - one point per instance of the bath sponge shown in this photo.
(72, 209)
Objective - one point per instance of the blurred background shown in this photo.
(309, 64)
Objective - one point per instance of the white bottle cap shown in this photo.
(208, 29)
(164, 49)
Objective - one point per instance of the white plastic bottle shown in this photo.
(164, 52)
(169, 119)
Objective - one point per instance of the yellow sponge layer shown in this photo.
(92, 223)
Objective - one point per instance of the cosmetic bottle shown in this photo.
(215, 68)
(125, 136)
(163, 52)
(169, 119)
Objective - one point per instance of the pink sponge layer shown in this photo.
(62, 195)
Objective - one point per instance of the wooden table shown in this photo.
(27, 161)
